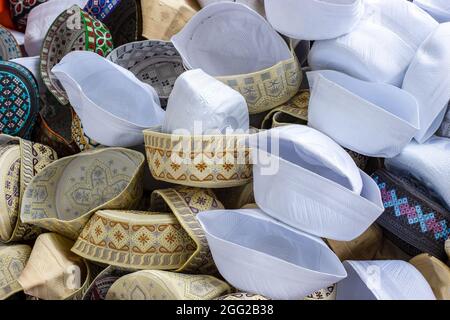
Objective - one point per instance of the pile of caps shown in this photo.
(249, 150)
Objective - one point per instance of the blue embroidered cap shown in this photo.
(413, 220)
(19, 100)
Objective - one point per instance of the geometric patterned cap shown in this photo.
(9, 48)
(19, 100)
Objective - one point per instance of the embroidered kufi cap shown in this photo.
(40, 20)
(63, 196)
(444, 130)
(9, 47)
(12, 262)
(383, 280)
(34, 157)
(186, 204)
(435, 272)
(9, 189)
(328, 293)
(100, 286)
(19, 97)
(157, 63)
(399, 25)
(103, 92)
(163, 285)
(335, 200)
(413, 220)
(314, 19)
(373, 119)
(279, 263)
(207, 103)
(72, 30)
(205, 161)
(135, 240)
(248, 55)
(122, 17)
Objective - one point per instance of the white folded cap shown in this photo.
(306, 180)
(428, 80)
(32, 64)
(438, 9)
(382, 45)
(373, 119)
(314, 19)
(383, 280)
(428, 163)
(257, 5)
(257, 254)
(41, 18)
(113, 105)
(200, 104)
(228, 38)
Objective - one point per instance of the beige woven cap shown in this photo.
(207, 161)
(63, 197)
(135, 240)
(50, 271)
(12, 261)
(185, 204)
(34, 157)
(244, 296)
(163, 285)
(161, 19)
(435, 272)
(9, 189)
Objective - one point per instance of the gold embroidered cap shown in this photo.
(12, 262)
(328, 293)
(135, 240)
(163, 285)
(99, 286)
(34, 157)
(206, 161)
(66, 193)
(185, 204)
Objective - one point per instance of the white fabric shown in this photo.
(314, 19)
(373, 119)
(41, 18)
(383, 280)
(257, 254)
(32, 64)
(303, 178)
(428, 163)
(428, 80)
(227, 38)
(257, 5)
(381, 47)
(200, 104)
(19, 36)
(113, 105)
(438, 9)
